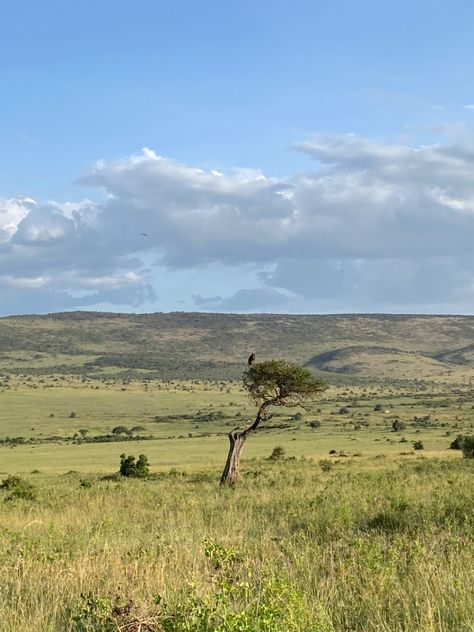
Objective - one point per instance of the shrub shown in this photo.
(457, 443)
(142, 468)
(378, 408)
(422, 421)
(466, 444)
(127, 465)
(277, 453)
(130, 468)
(418, 445)
(398, 426)
(314, 424)
(326, 465)
(18, 488)
(119, 430)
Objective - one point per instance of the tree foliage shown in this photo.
(282, 383)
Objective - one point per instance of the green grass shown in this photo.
(176, 416)
(363, 547)
(375, 537)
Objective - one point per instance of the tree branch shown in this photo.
(261, 416)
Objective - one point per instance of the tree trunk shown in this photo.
(230, 475)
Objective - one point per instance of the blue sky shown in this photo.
(302, 157)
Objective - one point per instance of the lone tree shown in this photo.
(270, 383)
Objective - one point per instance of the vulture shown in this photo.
(251, 359)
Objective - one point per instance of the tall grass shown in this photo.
(360, 547)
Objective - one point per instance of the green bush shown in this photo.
(130, 468)
(467, 447)
(457, 443)
(398, 425)
(18, 488)
(277, 453)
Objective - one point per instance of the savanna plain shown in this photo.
(355, 515)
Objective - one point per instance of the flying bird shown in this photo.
(251, 359)
(144, 234)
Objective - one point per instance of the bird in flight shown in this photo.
(145, 234)
(251, 359)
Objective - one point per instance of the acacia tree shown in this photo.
(270, 383)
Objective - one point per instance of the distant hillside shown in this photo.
(197, 345)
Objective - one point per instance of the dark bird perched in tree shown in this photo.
(251, 359)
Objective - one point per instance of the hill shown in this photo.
(202, 345)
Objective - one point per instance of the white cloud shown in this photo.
(371, 223)
(11, 213)
(25, 282)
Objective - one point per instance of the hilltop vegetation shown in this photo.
(215, 346)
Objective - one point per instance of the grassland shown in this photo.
(375, 536)
(297, 546)
(352, 530)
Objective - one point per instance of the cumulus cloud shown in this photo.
(11, 213)
(373, 223)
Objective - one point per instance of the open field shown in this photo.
(376, 536)
(351, 530)
(298, 546)
(184, 424)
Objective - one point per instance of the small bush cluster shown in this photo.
(398, 425)
(130, 468)
(464, 443)
(17, 487)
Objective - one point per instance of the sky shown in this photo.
(250, 156)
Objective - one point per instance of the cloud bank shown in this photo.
(370, 226)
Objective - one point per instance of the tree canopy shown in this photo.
(282, 383)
